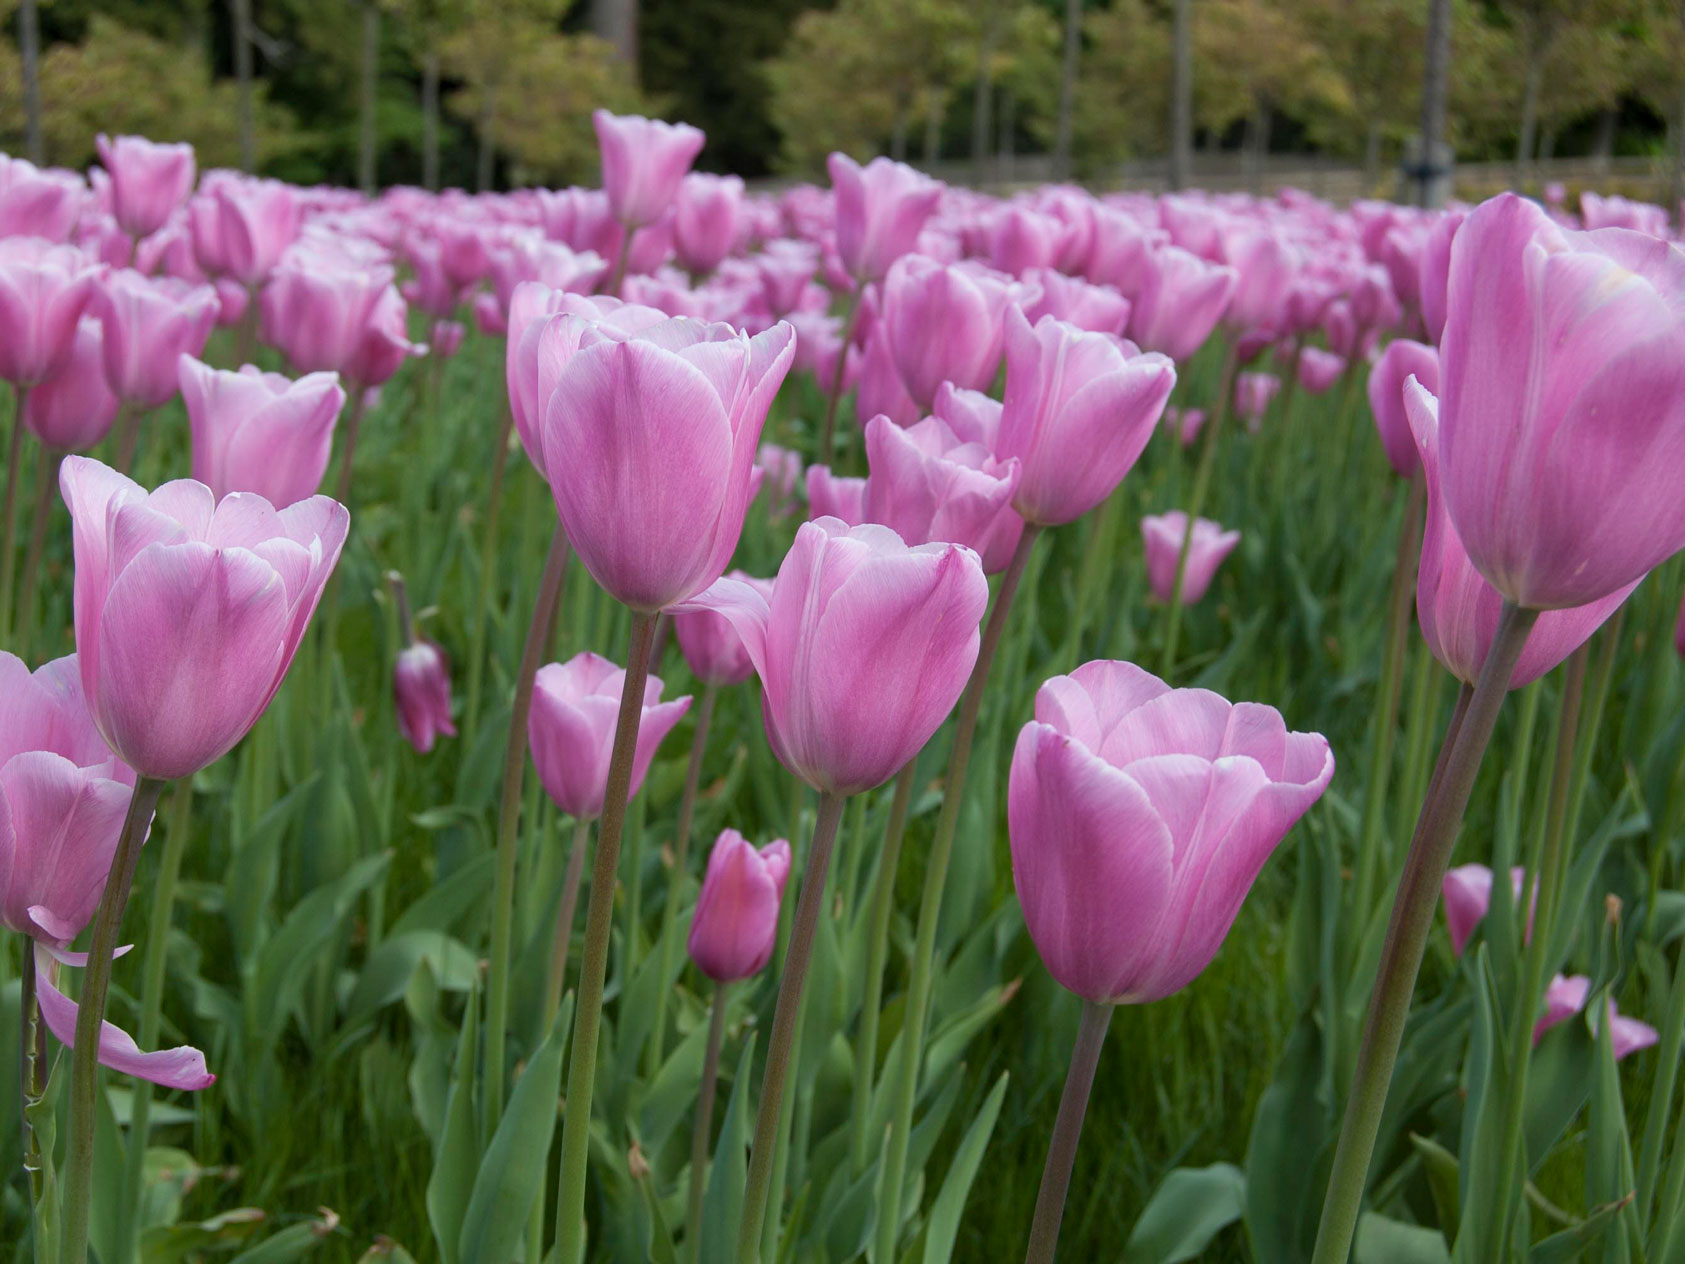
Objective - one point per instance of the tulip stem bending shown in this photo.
(508, 822)
(833, 396)
(1407, 933)
(930, 906)
(593, 968)
(1067, 1131)
(782, 1043)
(8, 509)
(704, 1122)
(96, 980)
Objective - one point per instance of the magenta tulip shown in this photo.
(1566, 996)
(1140, 816)
(972, 415)
(38, 202)
(1099, 308)
(862, 650)
(929, 487)
(256, 221)
(73, 410)
(1435, 271)
(1079, 409)
(44, 290)
(1163, 536)
(649, 440)
(735, 926)
(1402, 360)
(571, 730)
(1562, 375)
(1184, 423)
(643, 162)
(1021, 238)
(944, 323)
(260, 432)
(1319, 370)
(707, 220)
(148, 180)
(189, 610)
(832, 496)
(1265, 267)
(421, 683)
(1467, 891)
(336, 317)
(711, 645)
(879, 390)
(1181, 299)
(1253, 394)
(150, 323)
(881, 208)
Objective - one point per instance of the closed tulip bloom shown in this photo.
(38, 202)
(785, 269)
(707, 220)
(1402, 360)
(833, 496)
(649, 440)
(1079, 409)
(1562, 381)
(1099, 308)
(74, 409)
(1467, 891)
(1140, 816)
(879, 389)
(711, 645)
(1162, 535)
(880, 210)
(257, 220)
(1566, 996)
(1435, 271)
(929, 486)
(944, 323)
(44, 290)
(972, 415)
(148, 180)
(188, 610)
(1181, 299)
(862, 650)
(571, 730)
(1253, 394)
(1457, 609)
(643, 162)
(260, 432)
(343, 319)
(421, 682)
(1265, 267)
(149, 325)
(1021, 238)
(735, 925)
(1319, 370)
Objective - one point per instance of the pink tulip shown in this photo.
(421, 681)
(643, 162)
(341, 318)
(881, 208)
(148, 180)
(831, 496)
(944, 323)
(1119, 253)
(1079, 409)
(707, 220)
(233, 301)
(1402, 360)
(929, 486)
(1566, 996)
(781, 473)
(1467, 891)
(571, 730)
(1140, 816)
(179, 1068)
(785, 269)
(1253, 395)
(489, 317)
(44, 290)
(1184, 423)
(862, 650)
(188, 611)
(149, 325)
(879, 390)
(1265, 267)
(1457, 609)
(1562, 375)
(446, 338)
(1182, 297)
(735, 926)
(1021, 238)
(256, 221)
(1319, 370)
(260, 432)
(1435, 271)
(1099, 308)
(972, 415)
(73, 410)
(649, 439)
(38, 202)
(1163, 534)
(711, 646)
(530, 257)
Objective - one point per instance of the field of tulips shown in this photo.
(753, 717)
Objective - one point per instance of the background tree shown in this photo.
(1124, 90)
(1377, 46)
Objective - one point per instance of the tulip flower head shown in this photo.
(880, 210)
(260, 432)
(735, 925)
(74, 409)
(1566, 996)
(1163, 535)
(148, 180)
(928, 486)
(421, 682)
(643, 162)
(44, 289)
(711, 645)
(1467, 891)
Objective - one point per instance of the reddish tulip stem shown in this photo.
(621, 256)
(78, 1182)
(833, 396)
(781, 1046)
(593, 969)
(31, 1064)
(8, 509)
(704, 1123)
(508, 827)
(1067, 1131)
(565, 909)
(127, 430)
(348, 452)
(1407, 934)
(46, 492)
(920, 978)
(488, 548)
(401, 607)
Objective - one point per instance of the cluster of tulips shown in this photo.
(1526, 372)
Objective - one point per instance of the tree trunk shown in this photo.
(1181, 95)
(1531, 82)
(488, 147)
(29, 51)
(242, 15)
(1257, 145)
(1436, 71)
(1603, 140)
(1547, 144)
(1067, 90)
(898, 133)
(1006, 159)
(365, 121)
(1676, 183)
(616, 21)
(1372, 155)
(982, 106)
(430, 119)
(933, 128)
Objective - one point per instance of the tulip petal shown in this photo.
(180, 1068)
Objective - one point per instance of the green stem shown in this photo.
(1196, 501)
(833, 396)
(930, 906)
(1407, 933)
(599, 922)
(488, 547)
(30, 1068)
(1067, 1131)
(1661, 1096)
(46, 495)
(8, 509)
(96, 981)
(127, 430)
(781, 1047)
(508, 827)
(704, 1122)
(1426, 686)
(676, 875)
(151, 1011)
(877, 953)
(1544, 884)
(1096, 552)
(556, 982)
(348, 450)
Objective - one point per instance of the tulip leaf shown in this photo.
(289, 1244)
(722, 1203)
(457, 1156)
(1563, 1070)
(1189, 1208)
(449, 902)
(668, 1099)
(1283, 1184)
(949, 1206)
(1381, 1240)
(388, 970)
(1571, 1243)
(1441, 1166)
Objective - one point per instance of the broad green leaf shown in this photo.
(1188, 1209)
(722, 1203)
(1381, 1240)
(1571, 1243)
(457, 1157)
(387, 971)
(946, 1211)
